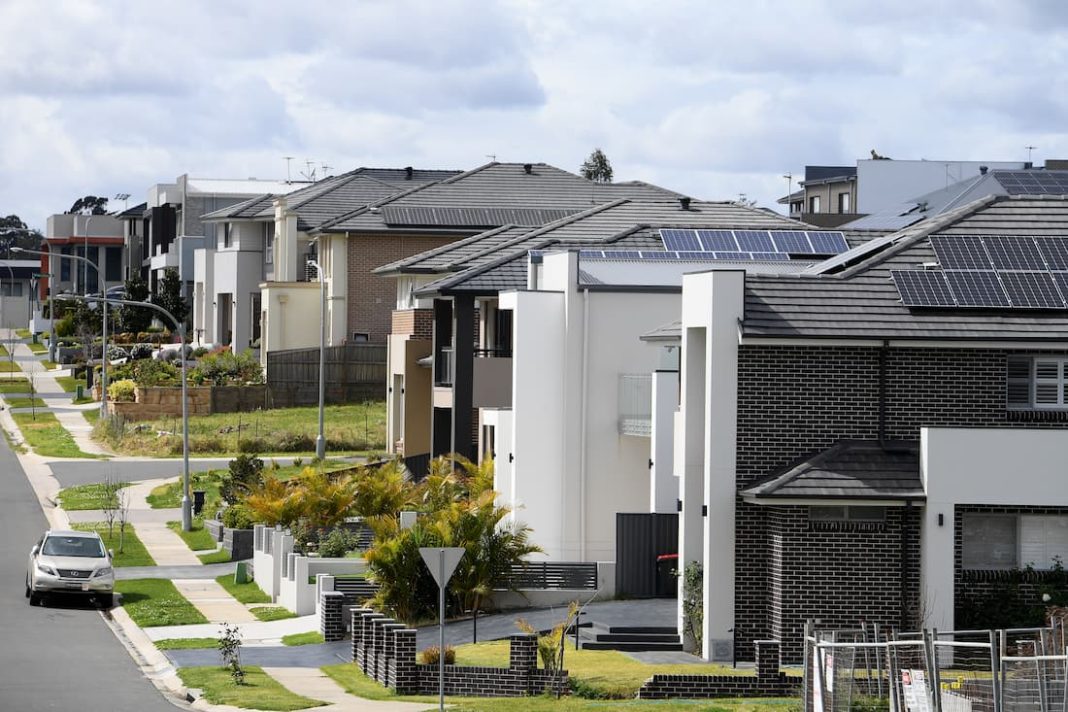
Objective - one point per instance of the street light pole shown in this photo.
(320, 441)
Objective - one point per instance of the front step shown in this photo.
(631, 638)
(634, 647)
(637, 637)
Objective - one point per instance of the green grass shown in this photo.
(356, 683)
(14, 385)
(216, 557)
(311, 638)
(69, 384)
(49, 365)
(82, 401)
(47, 437)
(25, 402)
(611, 673)
(155, 602)
(7, 366)
(169, 496)
(243, 592)
(133, 551)
(82, 497)
(4, 352)
(186, 643)
(37, 348)
(352, 428)
(259, 691)
(272, 613)
(197, 539)
(23, 333)
(92, 415)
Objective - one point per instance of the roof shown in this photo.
(852, 296)
(497, 186)
(671, 333)
(136, 211)
(251, 186)
(850, 469)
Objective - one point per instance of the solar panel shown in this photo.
(977, 289)
(828, 243)
(792, 241)
(680, 240)
(1061, 280)
(656, 255)
(922, 288)
(703, 256)
(717, 240)
(732, 255)
(754, 240)
(1031, 290)
(594, 254)
(769, 256)
(622, 255)
(1055, 252)
(964, 252)
(1014, 252)
(1033, 182)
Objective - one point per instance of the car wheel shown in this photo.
(105, 600)
(27, 588)
(35, 598)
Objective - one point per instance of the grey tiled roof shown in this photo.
(850, 469)
(852, 296)
(502, 185)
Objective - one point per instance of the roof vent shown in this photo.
(408, 173)
(983, 170)
(528, 168)
(684, 202)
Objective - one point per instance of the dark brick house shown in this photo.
(882, 436)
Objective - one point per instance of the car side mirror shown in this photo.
(34, 550)
(111, 553)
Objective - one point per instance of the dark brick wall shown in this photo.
(331, 624)
(769, 681)
(797, 400)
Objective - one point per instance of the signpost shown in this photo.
(442, 563)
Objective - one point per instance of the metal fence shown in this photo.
(553, 575)
(354, 373)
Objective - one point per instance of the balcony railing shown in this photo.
(497, 352)
(636, 404)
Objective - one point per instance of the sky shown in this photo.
(714, 99)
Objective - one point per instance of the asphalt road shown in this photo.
(60, 656)
(80, 472)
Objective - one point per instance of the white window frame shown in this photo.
(1041, 372)
(1041, 540)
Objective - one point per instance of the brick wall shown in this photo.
(417, 323)
(371, 298)
(797, 400)
(769, 681)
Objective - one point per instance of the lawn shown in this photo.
(259, 691)
(69, 384)
(7, 366)
(272, 613)
(216, 557)
(243, 592)
(186, 643)
(49, 365)
(133, 551)
(609, 672)
(92, 415)
(356, 683)
(23, 333)
(25, 402)
(47, 437)
(37, 348)
(14, 385)
(90, 496)
(310, 638)
(156, 602)
(4, 353)
(353, 428)
(198, 538)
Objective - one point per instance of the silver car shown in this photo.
(70, 562)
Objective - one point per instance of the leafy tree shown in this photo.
(170, 295)
(383, 491)
(89, 205)
(15, 233)
(246, 473)
(136, 319)
(597, 167)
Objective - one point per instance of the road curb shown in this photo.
(153, 663)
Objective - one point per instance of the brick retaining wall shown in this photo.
(768, 681)
(166, 401)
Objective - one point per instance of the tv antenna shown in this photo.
(492, 157)
(124, 197)
(326, 170)
(289, 179)
(1029, 149)
(310, 174)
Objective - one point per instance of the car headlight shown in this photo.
(45, 569)
(105, 571)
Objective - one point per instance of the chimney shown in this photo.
(983, 170)
(408, 173)
(684, 202)
(528, 168)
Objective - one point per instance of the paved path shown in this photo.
(314, 684)
(274, 655)
(214, 601)
(257, 631)
(200, 571)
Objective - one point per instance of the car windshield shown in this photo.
(83, 546)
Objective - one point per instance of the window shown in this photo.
(112, 264)
(268, 243)
(846, 513)
(814, 204)
(1009, 541)
(844, 204)
(11, 289)
(64, 265)
(360, 337)
(254, 317)
(1037, 383)
(226, 235)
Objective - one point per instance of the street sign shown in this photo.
(441, 562)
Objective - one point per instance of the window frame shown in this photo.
(1059, 382)
(1019, 525)
(851, 513)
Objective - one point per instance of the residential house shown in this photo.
(100, 237)
(227, 299)
(881, 436)
(17, 278)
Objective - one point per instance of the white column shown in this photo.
(691, 466)
(663, 483)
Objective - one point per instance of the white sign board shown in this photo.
(442, 561)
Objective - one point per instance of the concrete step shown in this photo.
(632, 647)
(636, 638)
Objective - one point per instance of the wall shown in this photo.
(354, 373)
(238, 273)
(153, 403)
(15, 311)
(289, 323)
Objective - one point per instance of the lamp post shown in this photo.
(320, 441)
(104, 335)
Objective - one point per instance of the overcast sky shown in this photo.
(708, 98)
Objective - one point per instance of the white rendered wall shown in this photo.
(334, 256)
(292, 317)
(238, 272)
(663, 482)
(884, 184)
(996, 466)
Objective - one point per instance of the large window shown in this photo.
(113, 264)
(814, 204)
(64, 264)
(268, 243)
(844, 203)
(846, 514)
(1037, 383)
(1010, 541)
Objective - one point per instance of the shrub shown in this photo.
(65, 326)
(141, 351)
(251, 446)
(430, 655)
(245, 473)
(200, 351)
(338, 543)
(122, 391)
(237, 516)
(149, 372)
(226, 368)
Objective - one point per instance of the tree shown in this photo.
(89, 205)
(15, 233)
(170, 296)
(135, 319)
(597, 167)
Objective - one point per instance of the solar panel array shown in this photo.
(687, 256)
(1033, 182)
(754, 244)
(992, 272)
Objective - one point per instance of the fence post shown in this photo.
(806, 675)
(932, 669)
(995, 670)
